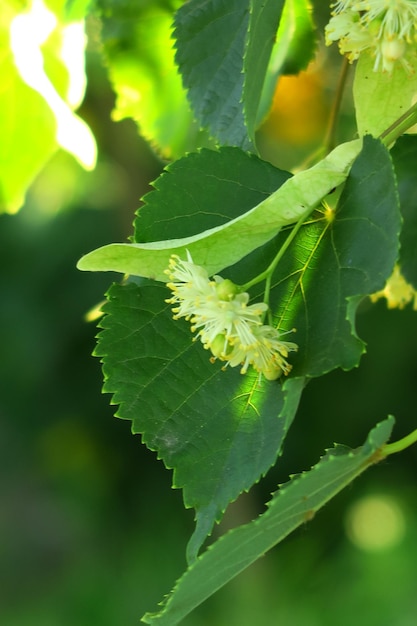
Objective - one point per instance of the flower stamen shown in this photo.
(225, 322)
(385, 28)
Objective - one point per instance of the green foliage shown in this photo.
(307, 246)
(294, 504)
(25, 120)
(343, 254)
(293, 48)
(139, 54)
(243, 32)
(340, 251)
(224, 245)
(219, 431)
(36, 105)
(381, 98)
(404, 155)
(312, 245)
(205, 190)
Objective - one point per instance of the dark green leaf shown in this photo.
(336, 260)
(219, 430)
(204, 190)
(404, 155)
(293, 49)
(210, 42)
(223, 51)
(294, 504)
(263, 24)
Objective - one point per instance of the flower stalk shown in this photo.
(400, 445)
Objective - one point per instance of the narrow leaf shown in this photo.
(294, 504)
(224, 245)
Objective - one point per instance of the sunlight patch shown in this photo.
(28, 32)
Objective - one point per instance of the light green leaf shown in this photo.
(138, 48)
(294, 504)
(380, 97)
(224, 245)
(41, 85)
(25, 120)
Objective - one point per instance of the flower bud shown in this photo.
(218, 346)
(273, 372)
(226, 290)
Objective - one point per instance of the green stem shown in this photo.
(272, 266)
(267, 274)
(329, 141)
(400, 126)
(399, 446)
(330, 137)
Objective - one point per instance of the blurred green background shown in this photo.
(91, 533)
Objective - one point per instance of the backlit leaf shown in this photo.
(380, 97)
(138, 48)
(225, 79)
(221, 246)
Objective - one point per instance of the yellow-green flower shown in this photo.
(267, 355)
(386, 28)
(397, 291)
(225, 322)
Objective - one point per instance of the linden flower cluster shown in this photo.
(387, 28)
(225, 323)
(397, 292)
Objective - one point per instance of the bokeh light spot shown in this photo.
(375, 523)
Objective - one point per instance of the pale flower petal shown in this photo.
(225, 322)
(397, 291)
(386, 28)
